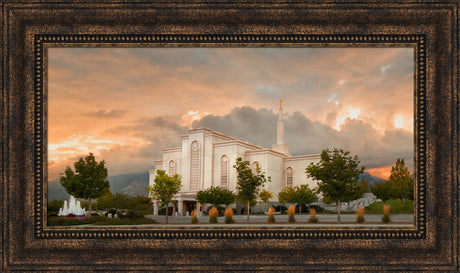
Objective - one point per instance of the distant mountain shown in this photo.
(372, 179)
(56, 191)
(131, 184)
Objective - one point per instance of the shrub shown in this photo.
(360, 213)
(54, 206)
(291, 212)
(313, 218)
(229, 216)
(386, 214)
(271, 213)
(213, 213)
(194, 217)
(220, 209)
(132, 215)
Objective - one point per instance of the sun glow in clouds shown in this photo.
(192, 116)
(83, 144)
(351, 113)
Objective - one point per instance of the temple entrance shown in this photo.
(189, 206)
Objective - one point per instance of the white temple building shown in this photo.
(206, 159)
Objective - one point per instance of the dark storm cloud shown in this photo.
(305, 136)
(245, 123)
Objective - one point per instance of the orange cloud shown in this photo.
(382, 172)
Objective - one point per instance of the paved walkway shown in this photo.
(403, 219)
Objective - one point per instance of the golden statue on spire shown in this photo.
(281, 101)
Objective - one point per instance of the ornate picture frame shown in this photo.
(430, 28)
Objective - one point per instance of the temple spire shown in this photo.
(281, 111)
(280, 146)
(280, 126)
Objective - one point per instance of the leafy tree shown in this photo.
(249, 182)
(216, 196)
(164, 188)
(105, 202)
(114, 201)
(89, 181)
(122, 200)
(265, 195)
(141, 204)
(402, 181)
(301, 195)
(364, 185)
(338, 176)
(117, 201)
(400, 185)
(383, 190)
(287, 195)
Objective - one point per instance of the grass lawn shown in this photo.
(397, 207)
(98, 220)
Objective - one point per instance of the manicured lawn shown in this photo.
(397, 207)
(98, 220)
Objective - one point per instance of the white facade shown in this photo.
(206, 159)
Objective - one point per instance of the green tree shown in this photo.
(338, 176)
(249, 182)
(287, 195)
(105, 202)
(140, 204)
(364, 185)
(301, 195)
(383, 190)
(122, 201)
(402, 181)
(164, 188)
(89, 181)
(265, 195)
(216, 196)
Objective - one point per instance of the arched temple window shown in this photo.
(224, 171)
(289, 177)
(172, 168)
(194, 166)
(255, 164)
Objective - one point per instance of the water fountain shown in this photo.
(72, 207)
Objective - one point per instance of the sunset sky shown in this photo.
(127, 104)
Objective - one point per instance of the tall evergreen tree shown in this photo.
(402, 181)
